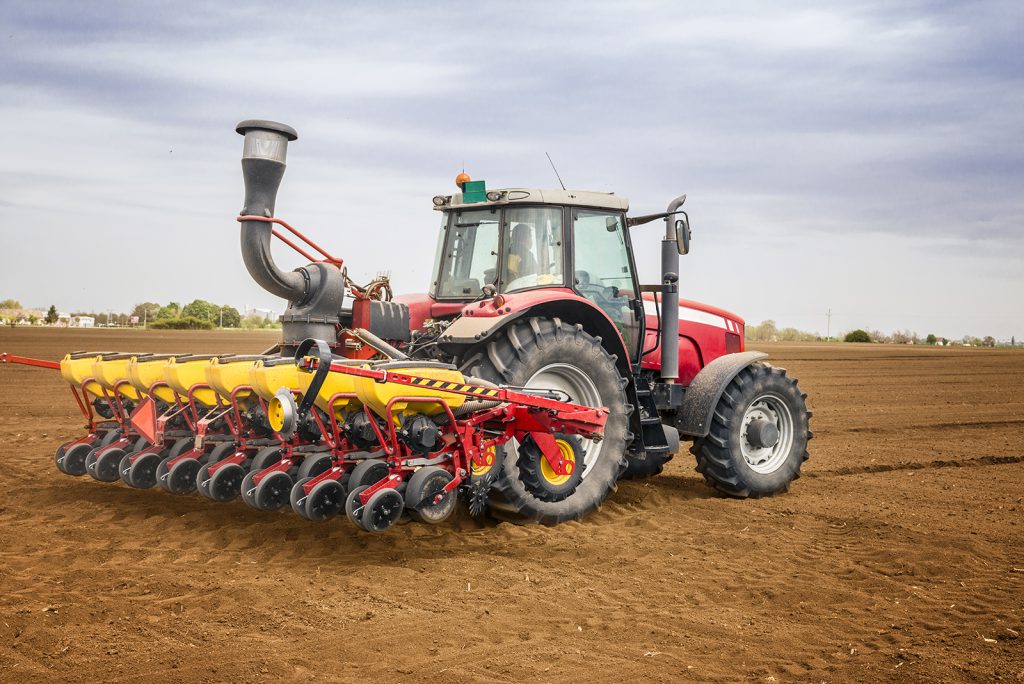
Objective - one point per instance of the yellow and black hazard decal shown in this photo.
(444, 385)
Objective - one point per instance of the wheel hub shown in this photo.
(766, 433)
(761, 433)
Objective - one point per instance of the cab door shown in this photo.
(603, 270)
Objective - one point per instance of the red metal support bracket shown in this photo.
(327, 257)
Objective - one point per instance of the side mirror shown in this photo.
(683, 233)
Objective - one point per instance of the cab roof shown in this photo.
(512, 196)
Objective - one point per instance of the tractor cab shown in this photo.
(518, 240)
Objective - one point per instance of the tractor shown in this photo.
(534, 373)
(536, 291)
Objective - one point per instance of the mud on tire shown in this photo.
(729, 461)
(528, 353)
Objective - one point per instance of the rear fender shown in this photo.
(701, 397)
(481, 320)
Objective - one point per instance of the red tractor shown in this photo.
(538, 289)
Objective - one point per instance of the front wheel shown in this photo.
(759, 433)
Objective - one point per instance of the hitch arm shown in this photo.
(28, 361)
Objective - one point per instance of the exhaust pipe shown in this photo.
(263, 162)
(670, 296)
(315, 292)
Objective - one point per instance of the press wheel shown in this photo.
(181, 477)
(106, 466)
(382, 510)
(73, 460)
(325, 501)
(142, 472)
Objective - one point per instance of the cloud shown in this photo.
(889, 129)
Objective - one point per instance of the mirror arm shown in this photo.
(647, 218)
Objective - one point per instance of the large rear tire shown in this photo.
(759, 434)
(547, 353)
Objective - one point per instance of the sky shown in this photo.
(863, 158)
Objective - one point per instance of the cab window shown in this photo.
(469, 255)
(532, 248)
(602, 271)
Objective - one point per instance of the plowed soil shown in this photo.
(898, 556)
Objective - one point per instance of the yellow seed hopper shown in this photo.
(335, 384)
(146, 371)
(227, 374)
(269, 375)
(77, 368)
(189, 373)
(376, 395)
(112, 374)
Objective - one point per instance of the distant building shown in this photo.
(82, 322)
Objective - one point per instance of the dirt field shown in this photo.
(898, 556)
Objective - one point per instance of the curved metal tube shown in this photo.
(263, 163)
(259, 262)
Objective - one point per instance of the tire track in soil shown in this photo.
(872, 468)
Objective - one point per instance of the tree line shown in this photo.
(767, 331)
(198, 314)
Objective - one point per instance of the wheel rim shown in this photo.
(581, 389)
(765, 459)
(491, 457)
(549, 474)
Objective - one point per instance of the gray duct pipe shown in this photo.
(670, 296)
(263, 162)
(315, 292)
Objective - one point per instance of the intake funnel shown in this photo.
(263, 162)
(315, 292)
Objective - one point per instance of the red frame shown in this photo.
(518, 414)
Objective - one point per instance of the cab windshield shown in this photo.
(512, 249)
(468, 254)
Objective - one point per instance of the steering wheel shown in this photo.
(602, 296)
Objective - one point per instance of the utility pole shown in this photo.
(222, 316)
(828, 324)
